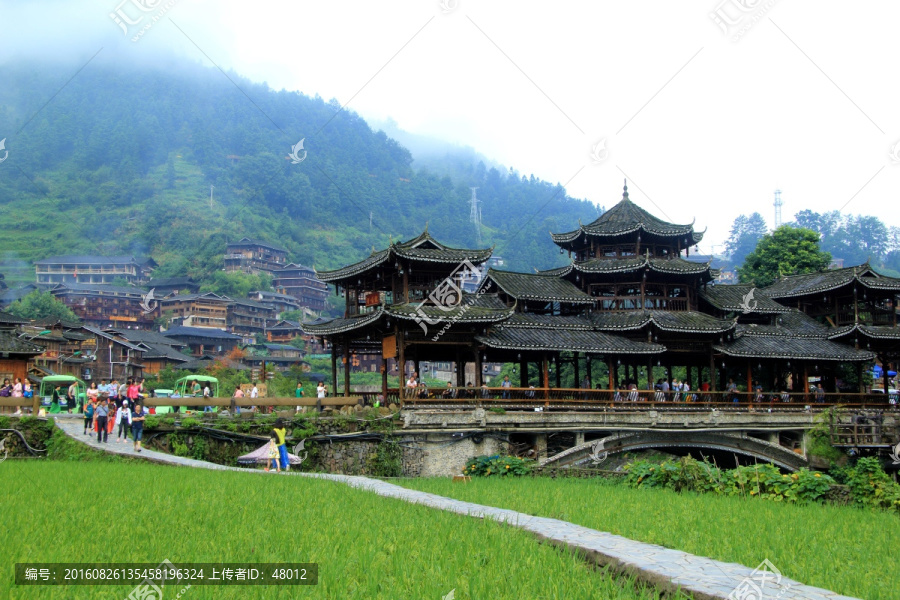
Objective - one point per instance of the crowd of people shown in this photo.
(104, 415)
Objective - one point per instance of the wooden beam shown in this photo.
(347, 368)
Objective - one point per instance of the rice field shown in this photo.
(367, 547)
(848, 550)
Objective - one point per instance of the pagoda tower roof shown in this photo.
(626, 218)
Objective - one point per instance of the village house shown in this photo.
(302, 283)
(253, 256)
(104, 306)
(197, 310)
(204, 340)
(93, 269)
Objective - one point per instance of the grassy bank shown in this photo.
(367, 547)
(839, 548)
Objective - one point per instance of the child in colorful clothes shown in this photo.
(88, 415)
(273, 456)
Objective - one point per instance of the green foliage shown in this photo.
(871, 486)
(387, 460)
(156, 189)
(819, 437)
(761, 481)
(237, 285)
(63, 448)
(151, 421)
(41, 305)
(498, 466)
(745, 235)
(191, 422)
(787, 251)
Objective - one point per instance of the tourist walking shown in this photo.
(92, 393)
(137, 425)
(123, 420)
(272, 460)
(732, 390)
(298, 393)
(101, 415)
(505, 384)
(89, 416)
(820, 393)
(320, 395)
(237, 395)
(280, 434)
(17, 388)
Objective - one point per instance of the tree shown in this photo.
(787, 251)
(745, 234)
(40, 305)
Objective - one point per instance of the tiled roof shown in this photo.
(336, 326)
(10, 319)
(627, 217)
(473, 308)
(13, 344)
(163, 351)
(789, 324)
(529, 320)
(113, 337)
(786, 348)
(546, 288)
(596, 342)
(148, 337)
(825, 281)
(202, 332)
(740, 298)
(664, 320)
(251, 242)
(673, 266)
(172, 282)
(208, 296)
(878, 332)
(421, 248)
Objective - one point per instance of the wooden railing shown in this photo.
(637, 399)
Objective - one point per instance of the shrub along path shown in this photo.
(667, 569)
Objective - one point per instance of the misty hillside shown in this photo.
(122, 161)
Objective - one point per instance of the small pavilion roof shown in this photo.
(574, 340)
(473, 308)
(422, 248)
(875, 332)
(12, 344)
(790, 324)
(741, 298)
(786, 348)
(625, 218)
(545, 288)
(343, 325)
(793, 286)
(664, 320)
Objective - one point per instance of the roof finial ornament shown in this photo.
(625, 192)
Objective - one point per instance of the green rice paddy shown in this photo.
(367, 547)
(845, 549)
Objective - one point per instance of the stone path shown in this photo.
(704, 578)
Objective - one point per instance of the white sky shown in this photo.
(703, 126)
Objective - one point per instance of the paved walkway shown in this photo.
(704, 578)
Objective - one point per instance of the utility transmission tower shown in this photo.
(475, 215)
(778, 204)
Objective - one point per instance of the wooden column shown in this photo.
(384, 378)
(333, 368)
(401, 364)
(588, 365)
(478, 370)
(347, 368)
(712, 372)
(609, 370)
(749, 382)
(416, 366)
(650, 381)
(545, 369)
(806, 378)
(577, 371)
(558, 372)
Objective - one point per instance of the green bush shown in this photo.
(762, 481)
(190, 422)
(151, 422)
(870, 485)
(498, 466)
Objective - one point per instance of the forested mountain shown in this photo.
(122, 160)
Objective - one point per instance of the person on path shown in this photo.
(820, 393)
(505, 384)
(237, 395)
(732, 389)
(299, 393)
(6, 390)
(72, 397)
(123, 420)
(195, 388)
(280, 433)
(320, 395)
(206, 394)
(54, 401)
(113, 388)
(92, 393)
(137, 425)
(17, 388)
(272, 461)
(101, 415)
(89, 416)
